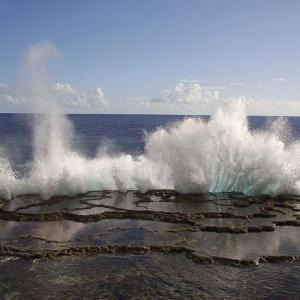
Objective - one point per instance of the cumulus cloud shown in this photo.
(281, 79)
(63, 87)
(72, 97)
(10, 96)
(192, 98)
(64, 93)
(99, 97)
(186, 93)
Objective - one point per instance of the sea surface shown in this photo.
(116, 133)
(132, 244)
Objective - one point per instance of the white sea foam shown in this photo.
(191, 156)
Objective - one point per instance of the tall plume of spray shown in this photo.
(46, 114)
(191, 156)
(51, 131)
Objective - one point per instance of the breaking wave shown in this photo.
(191, 156)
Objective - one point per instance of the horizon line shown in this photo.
(141, 114)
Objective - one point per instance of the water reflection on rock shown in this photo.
(223, 230)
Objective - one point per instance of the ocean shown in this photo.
(121, 133)
(64, 155)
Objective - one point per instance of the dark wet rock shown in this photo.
(210, 228)
(142, 250)
(174, 246)
(287, 223)
(263, 215)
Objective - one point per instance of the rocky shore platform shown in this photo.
(154, 245)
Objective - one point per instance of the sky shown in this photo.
(158, 56)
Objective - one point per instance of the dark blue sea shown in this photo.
(120, 133)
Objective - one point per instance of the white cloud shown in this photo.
(186, 93)
(63, 87)
(10, 96)
(192, 98)
(12, 99)
(281, 79)
(100, 99)
(72, 97)
(64, 93)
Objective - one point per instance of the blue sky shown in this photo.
(159, 56)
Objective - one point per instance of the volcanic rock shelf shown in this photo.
(225, 230)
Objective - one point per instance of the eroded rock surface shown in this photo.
(231, 229)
